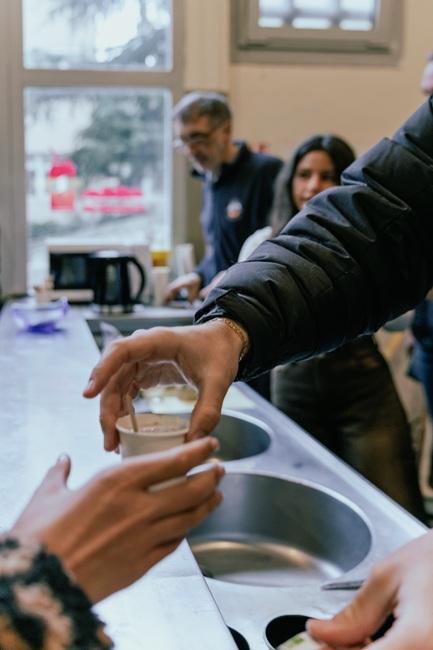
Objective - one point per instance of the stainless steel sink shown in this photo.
(240, 436)
(273, 531)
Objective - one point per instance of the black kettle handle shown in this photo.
(142, 277)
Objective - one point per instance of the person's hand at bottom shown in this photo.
(111, 530)
(402, 585)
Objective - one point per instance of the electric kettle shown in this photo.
(109, 273)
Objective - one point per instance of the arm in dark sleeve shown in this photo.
(355, 257)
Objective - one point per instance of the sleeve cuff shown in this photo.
(40, 604)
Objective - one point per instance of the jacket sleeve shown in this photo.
(41, 606)
(355, 257)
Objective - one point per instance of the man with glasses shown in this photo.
(237, 186)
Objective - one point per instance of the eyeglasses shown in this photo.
(196, 139)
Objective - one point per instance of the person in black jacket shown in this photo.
(355, 257)
(346, 398)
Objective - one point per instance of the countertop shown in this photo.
(141, 317)
(43, 414)
(173, 607)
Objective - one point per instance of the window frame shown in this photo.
(14, 78)
(251, 43)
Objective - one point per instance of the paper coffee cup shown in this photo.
(155, 433)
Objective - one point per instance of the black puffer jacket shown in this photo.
(355, 257)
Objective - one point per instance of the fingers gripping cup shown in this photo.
(155, 433)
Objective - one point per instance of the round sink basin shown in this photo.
(240, 436)
(277, 532)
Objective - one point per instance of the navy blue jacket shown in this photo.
(234, 207)
(422, 324)
(355, 257)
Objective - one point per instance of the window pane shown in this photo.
(318, 14)
(361, 6)
(295, 31)
(98, 167)
(321, 6)
(97, 34)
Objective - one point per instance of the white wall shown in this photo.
(283, 104)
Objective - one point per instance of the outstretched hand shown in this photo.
(190, 281)
(402, 585)
(111, 530)
(204, 356)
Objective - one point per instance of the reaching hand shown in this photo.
(402, 585)
(190, 281)
(111, 530)
(204, 356)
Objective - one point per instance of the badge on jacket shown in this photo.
(234, 209)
